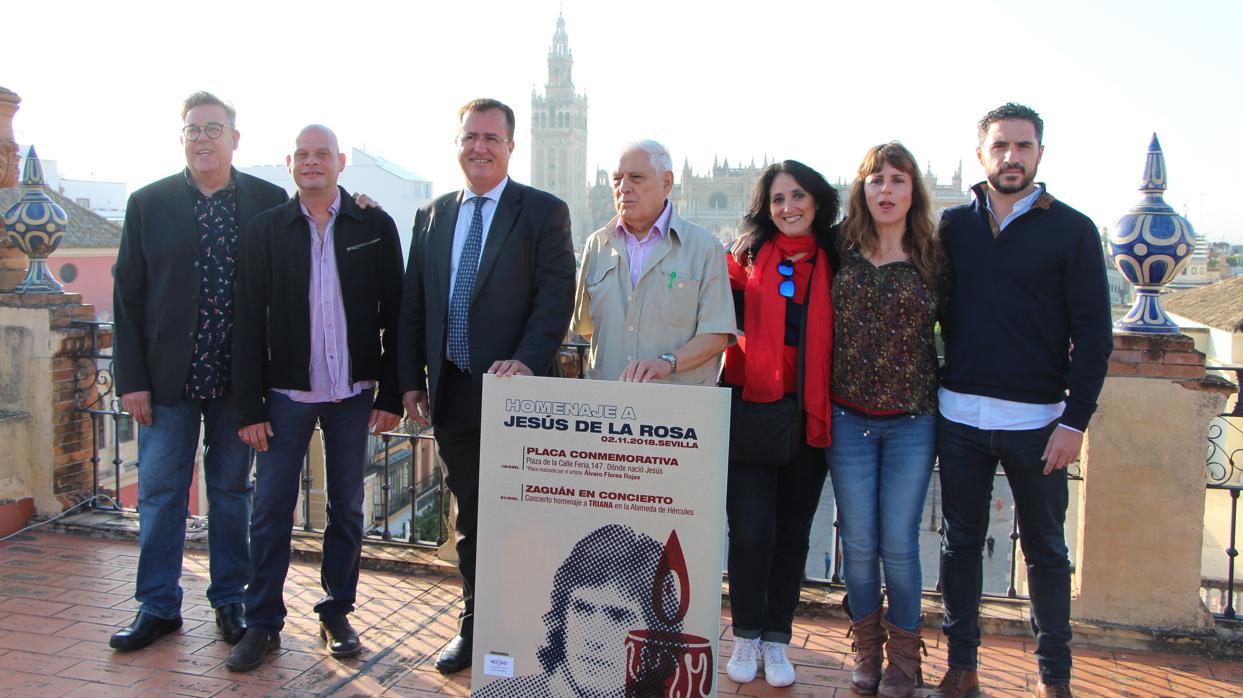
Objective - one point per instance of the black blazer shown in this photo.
(155, 296)
(523, 295)
(271, 307)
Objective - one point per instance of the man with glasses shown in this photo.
(173, 299)
(489, 288)
(653, 290)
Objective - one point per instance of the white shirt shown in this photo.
(990, 413)
(466, 209)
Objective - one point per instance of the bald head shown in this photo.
(316, 162)
(318, 130)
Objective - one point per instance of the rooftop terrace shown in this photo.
(62, 596)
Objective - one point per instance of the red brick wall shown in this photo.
(1156, 356)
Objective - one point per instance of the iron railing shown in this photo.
(1224, 473)
(96, 395)
(425, 492)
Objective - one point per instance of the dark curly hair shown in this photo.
(1012, 111)
(757, 223)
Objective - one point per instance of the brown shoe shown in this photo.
(903, 675)
(868, 647)
(957, 683)
(1053, 690)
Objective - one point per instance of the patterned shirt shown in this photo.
(216, 218)
(884, 351)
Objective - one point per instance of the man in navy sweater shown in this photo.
(1027, 341)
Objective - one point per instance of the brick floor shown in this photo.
(62, 596)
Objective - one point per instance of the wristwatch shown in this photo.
(671, 359)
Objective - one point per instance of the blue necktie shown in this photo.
(459, 304)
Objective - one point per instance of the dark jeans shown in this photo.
(165, 469)
(969, 457)
(770, 512)
(344, 430)
(456, 422)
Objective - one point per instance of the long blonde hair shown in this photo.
(920, 240)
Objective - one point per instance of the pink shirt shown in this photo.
(330, 353)
(637, 250)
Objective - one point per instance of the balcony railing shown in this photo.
(413, 507)
(1224, 464)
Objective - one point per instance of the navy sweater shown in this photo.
(1027, 317)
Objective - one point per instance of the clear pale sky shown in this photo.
(101, 83)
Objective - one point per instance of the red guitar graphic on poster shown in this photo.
(665, 663)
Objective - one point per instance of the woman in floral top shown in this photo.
(883, 389)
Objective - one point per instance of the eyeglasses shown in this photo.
(786, 269)
(212, 130)
(468, 140)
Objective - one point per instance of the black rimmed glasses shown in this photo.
(468, 140)
(212, 130)
(786, 287)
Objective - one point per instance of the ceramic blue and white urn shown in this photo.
(1150, 245)
(36, 225)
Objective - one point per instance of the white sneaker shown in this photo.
(778, 671)
(745, 661)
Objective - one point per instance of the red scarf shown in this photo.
(764, 323)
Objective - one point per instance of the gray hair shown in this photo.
(201, 98)
(659, 155)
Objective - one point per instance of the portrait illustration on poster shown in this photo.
(618, 589)
(600, 539)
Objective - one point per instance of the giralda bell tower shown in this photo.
(559, 135)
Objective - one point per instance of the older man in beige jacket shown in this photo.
(653, 292)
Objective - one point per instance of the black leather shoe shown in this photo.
(341, 638)
(231, 619)
(249, 652)
(142, 632)
(455, 656)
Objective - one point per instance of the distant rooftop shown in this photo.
(86, 228)
(1218, 305)
(361, 156)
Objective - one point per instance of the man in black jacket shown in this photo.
(318, 290)
(173, 299)
(489, 288)
(1027, 342)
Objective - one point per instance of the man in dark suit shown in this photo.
(489, 289)
(173, 299)
(318, 289)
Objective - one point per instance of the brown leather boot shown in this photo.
(1053, 690)
(957, 683)
(868, 647)
(903, 674)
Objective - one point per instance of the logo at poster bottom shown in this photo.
(672, 665)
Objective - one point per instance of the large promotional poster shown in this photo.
(601, 531)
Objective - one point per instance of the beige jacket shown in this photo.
(683, 292)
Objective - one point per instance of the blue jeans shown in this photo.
(881, 468)
(278, 475)
(770, 512)
(969, 458)
(165, 468)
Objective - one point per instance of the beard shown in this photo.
(994, 179)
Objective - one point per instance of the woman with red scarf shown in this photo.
(782, 276)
